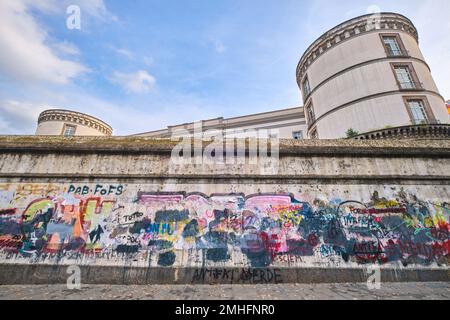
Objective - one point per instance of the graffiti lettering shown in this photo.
(113, 223)
(97, 190)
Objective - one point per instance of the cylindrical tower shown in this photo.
(368, 74)
(68, 123)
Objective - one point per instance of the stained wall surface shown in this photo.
(120, 202)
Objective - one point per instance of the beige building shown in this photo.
(67, 123)
(368, 74)
(284, 124)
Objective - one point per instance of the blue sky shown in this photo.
(141, 65)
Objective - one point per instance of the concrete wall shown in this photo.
(119, 202)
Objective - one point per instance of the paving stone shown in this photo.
(410, 291)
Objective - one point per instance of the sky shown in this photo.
(141, 65)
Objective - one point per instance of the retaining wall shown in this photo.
(313, 211)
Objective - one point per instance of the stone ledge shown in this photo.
(277, 178)
(140, 145)
(11, 274)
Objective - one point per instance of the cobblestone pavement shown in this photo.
(430, 290)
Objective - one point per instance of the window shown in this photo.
(69, 131)
(404, 77)
(306, 88)
(393, 45)
(314, 134)
(417, 111)
(297, 135)
(310, 113)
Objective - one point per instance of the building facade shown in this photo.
(284, 124)
(365, 79)
(58, 122)
(368, 74)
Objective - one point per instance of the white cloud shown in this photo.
(19, 117)
(136, 82)
(143, 116)
(132, 116)
(125, 53)
(66, 48)
(24, 54)
(94, 8)
(48, 6)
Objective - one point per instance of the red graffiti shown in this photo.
(441, 249)
(8, 212)
(368, 251)
(312, 240)
(271, 244)
(11, 243)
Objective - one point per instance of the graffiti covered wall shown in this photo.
(131, 224)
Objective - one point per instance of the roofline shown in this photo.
(346, 22)
(225, 119)
(80, 113)
(262, 113)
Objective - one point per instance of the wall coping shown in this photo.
(145, 145)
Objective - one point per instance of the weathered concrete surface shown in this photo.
(224, 293)
(287, 146)
(321, 212)
(46, 274)
(102, 157)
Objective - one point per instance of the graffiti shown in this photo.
(114, 223)
(7, 212)
(166, 259)
(132, 217)
(242, 275)
(97, 190)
